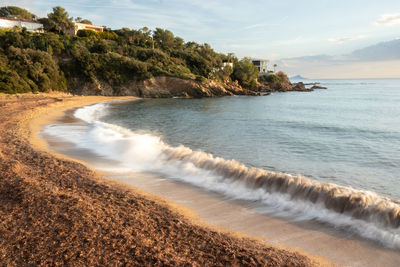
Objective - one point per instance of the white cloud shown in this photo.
(346, 39)
(388, 19)
(261, 25)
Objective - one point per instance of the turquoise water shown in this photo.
(347, 135)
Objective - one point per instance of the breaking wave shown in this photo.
(363, 212)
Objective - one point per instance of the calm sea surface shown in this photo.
(347, 135)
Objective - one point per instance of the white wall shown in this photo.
(9, 24)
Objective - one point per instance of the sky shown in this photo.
(274, 30)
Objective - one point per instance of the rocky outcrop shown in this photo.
(318, 87)
(300, 87)
(162, 87)
(267, 88)
(279, 82)
(167, 87)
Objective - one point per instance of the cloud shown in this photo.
(346, 39)
(260, 25)
(255, 26)
(388, 20)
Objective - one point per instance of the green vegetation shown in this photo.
(85, 21)
(58, 21)
(54, 59)
(245, 73)
(28, 70)
(13, 11)
(270, 78)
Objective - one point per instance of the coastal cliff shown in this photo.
(167, 87)
(162, 87)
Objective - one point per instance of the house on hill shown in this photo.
(83, 26)
(261, 64)
(30, 25)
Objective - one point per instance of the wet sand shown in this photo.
(312, 238)
(56, 211)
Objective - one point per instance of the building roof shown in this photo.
(88, 25)
(258, 59)
(22, 20)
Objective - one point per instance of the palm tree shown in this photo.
(275, 67)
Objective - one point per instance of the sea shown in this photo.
(331, 156)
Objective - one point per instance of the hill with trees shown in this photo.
(114, 62)
(16, 12)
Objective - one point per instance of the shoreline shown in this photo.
(307, 237)
(89, 219)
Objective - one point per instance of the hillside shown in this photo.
(115, 59)
(126, 61)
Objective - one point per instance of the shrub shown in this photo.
(270, 78)
(108, 35)
(31, 70)
(245, 73)
(87, 33)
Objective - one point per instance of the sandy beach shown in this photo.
(57, 211)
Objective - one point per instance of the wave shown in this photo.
(366, 213)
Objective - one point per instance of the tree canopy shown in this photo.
(245, 73)
(14, 11)
(85, 21)
(58, 21)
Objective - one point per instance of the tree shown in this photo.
(84, 21)
(275, 65)
(231, 58)
(164, 39)
(13, 11)
(58, 21)
(245, 73)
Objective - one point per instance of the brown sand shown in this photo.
(55, 211)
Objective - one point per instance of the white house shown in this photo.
(30, 25)
(261, 64)
(226, 64)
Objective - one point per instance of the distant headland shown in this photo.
(298, 77)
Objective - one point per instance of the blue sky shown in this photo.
(257, 28)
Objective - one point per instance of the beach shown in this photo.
(57, 211)
(312, 237)
(132, 142)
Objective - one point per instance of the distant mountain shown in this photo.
(380, 60)
(379, 52)
(382, 51)
(298, 77)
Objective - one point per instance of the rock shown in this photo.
(318, 87)
(300, 87)
(281, 86)
(167, 87)
(315, 83)
(162, 87)
(264, 87)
